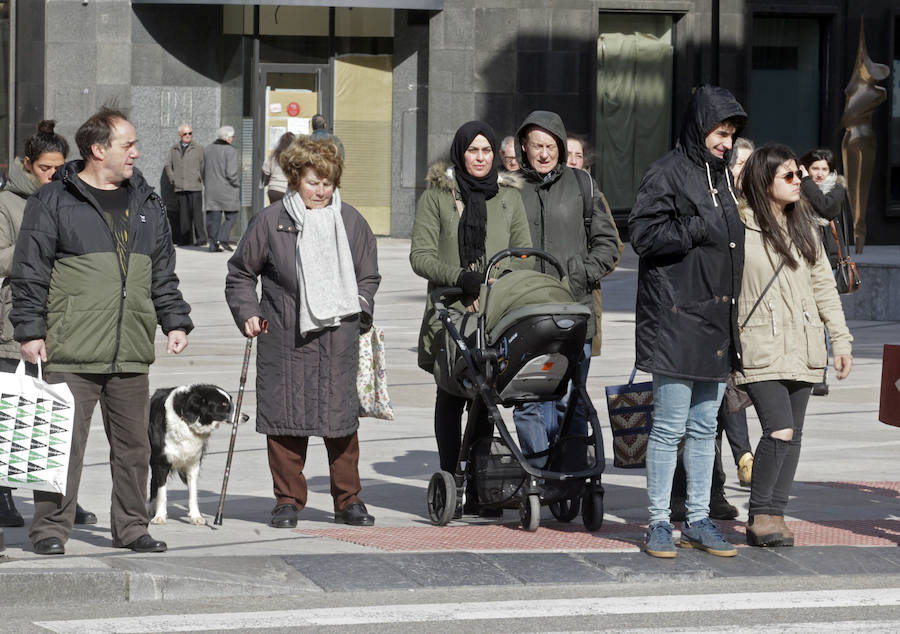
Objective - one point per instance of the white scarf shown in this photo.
(325, 272)
(828, 184)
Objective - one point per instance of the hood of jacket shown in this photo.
(552, 124)
(19, 181)
(709, 106)
(440, 176)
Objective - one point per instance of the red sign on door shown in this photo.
(293, 109)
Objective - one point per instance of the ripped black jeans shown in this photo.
(780, 405)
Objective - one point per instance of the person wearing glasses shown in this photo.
(788, 298)
(508, 154)
(184, 169)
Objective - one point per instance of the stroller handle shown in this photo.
(525, 252)
(438, 295)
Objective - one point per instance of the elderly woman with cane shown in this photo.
(317, 259)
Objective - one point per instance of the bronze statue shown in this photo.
(859, 143)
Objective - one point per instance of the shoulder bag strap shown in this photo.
(838, 240)
(763, 294)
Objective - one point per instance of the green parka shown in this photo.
(18, 188)
(68, 286)
(434, 252)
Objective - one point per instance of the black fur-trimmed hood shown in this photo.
(440, 176)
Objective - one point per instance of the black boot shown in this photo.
(9, 516)
(83, 517)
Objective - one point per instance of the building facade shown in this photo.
(395, 78)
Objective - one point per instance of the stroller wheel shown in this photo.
(530, 512)
(565, 510)
(592, 508)
(441, 498)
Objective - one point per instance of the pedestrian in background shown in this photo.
(184, 169)
(787, 292)
(826, 191)
(221, 173)
(273, 175)
(686, 230)
(469, 212)
(45, 151)
(578, 153)
(321, 133)
(318, 262)
(508, 154)
(96, 241)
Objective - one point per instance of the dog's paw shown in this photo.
(159, 519)
(199, 520)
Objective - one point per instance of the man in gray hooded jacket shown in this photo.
(555, 206)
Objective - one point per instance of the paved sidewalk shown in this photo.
(847, 493)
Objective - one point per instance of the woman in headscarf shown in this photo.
(468, 213)
(318, 262)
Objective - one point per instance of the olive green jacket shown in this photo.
(434, 252)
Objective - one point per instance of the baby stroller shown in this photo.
(524, 344)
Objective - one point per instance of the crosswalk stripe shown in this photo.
(478, 611)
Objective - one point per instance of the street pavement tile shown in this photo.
(634, 567)
(884, 488)
(549, 568)
(836, 560)
(449, 569)
(749, 562)
(348, 572)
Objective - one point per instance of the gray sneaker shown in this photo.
(705, 535)
(659, 540)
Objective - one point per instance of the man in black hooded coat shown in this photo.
(687, 231)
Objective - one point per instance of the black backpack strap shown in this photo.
(587, 196)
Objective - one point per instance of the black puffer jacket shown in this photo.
(687, 231)
(830, 202)
(555, 210)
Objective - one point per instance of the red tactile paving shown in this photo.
(614, 537)
(888, 489)
(619, 537)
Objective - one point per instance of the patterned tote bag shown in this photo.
(630, 417)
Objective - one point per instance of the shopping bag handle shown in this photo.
(20, 369)
(631, 379)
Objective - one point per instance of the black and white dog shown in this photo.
(181, 421)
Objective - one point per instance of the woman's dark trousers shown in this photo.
(780, 405)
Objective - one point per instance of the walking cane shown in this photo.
(234, 424)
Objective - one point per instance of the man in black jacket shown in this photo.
(93, 274)
(687, 231)
(555, 205)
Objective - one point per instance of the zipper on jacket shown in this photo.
(772, 312)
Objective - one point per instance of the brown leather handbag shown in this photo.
(846, 276)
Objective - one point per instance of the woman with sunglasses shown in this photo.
(787, 293)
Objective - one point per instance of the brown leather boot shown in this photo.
(763, 530)
(787, 535)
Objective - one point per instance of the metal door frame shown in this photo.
(324, 87)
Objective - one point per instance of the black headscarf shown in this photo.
(475, 192)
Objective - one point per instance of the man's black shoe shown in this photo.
(355, 515)
(146, 544)
(49, 546)
(284, 516)
(720, 509)
(83, 517)
(227, 246)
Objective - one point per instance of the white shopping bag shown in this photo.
(371, 376)
(36, 421)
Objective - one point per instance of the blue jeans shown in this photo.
(537, 424)
(682, 409)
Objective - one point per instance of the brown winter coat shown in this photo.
(305, 386)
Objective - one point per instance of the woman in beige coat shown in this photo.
(787, 292)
